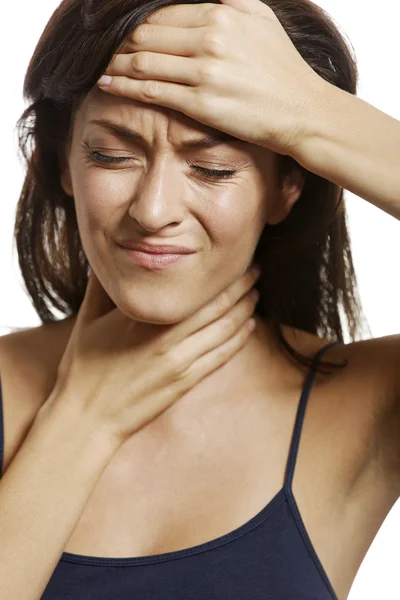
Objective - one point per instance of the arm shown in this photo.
(353, 144)
(42, 496)
(357, 146)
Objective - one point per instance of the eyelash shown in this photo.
(213, 173)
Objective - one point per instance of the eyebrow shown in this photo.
(210, 141)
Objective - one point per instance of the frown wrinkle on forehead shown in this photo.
(209, 141)
(135, 122)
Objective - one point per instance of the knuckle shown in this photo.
(227, 326)
(139, 62)
(175, 365)
(222, 353)
(139, 35)
(185, 381)
(150, 91)
(203, 101)
(218, 15)
(209, 71)
(213, 43)
(223, 302)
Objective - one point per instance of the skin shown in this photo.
(235, 424)
(158, 197)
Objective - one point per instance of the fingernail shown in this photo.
(105, 80)
(255, 295)
(251, 324)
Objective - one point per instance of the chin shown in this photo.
(159, 314)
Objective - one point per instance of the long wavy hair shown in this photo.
(308, 279)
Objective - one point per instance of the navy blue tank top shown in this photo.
(271, 557)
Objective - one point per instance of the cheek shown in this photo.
(99, 193)
(238, 218)
(98, 197)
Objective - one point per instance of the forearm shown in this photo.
(355, 145)
(42, 496)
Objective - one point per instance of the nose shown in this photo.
(157, 202)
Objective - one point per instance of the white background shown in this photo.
(373, 31)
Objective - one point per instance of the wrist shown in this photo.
(61, 417)
(313, 128)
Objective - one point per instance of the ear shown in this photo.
(65, 179)
(289, 193)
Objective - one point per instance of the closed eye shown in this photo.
(213, 173)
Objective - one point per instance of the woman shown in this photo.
(163, 457)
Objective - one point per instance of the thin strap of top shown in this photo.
(294, 445)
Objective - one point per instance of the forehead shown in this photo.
(151, 121)
(99, 104)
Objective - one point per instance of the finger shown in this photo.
(151, 65)
(171, 95)
(217, 357)
(217, 333)
(214, 310)
(162, 39)
(251, 7)
(95, 304)
(183, 15)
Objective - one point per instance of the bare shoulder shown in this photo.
(367, 390)
(32, 353)
(372, 363)
(28, 366)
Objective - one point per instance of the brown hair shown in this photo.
(308, 275)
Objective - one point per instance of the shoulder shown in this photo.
(370, 386)
(33, 353)
(367, 391)
(372, 363)
(28, 366)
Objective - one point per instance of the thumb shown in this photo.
(95, 304)
(251, 7)
(96, 301)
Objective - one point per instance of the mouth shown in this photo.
(155, 248)
(154, 261)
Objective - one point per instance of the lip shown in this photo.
(155, 248)
(152, 260)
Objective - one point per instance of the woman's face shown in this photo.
(156, 195)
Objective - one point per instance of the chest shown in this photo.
(187, 480)
(208, 476)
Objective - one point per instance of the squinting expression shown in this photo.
(133, 177)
